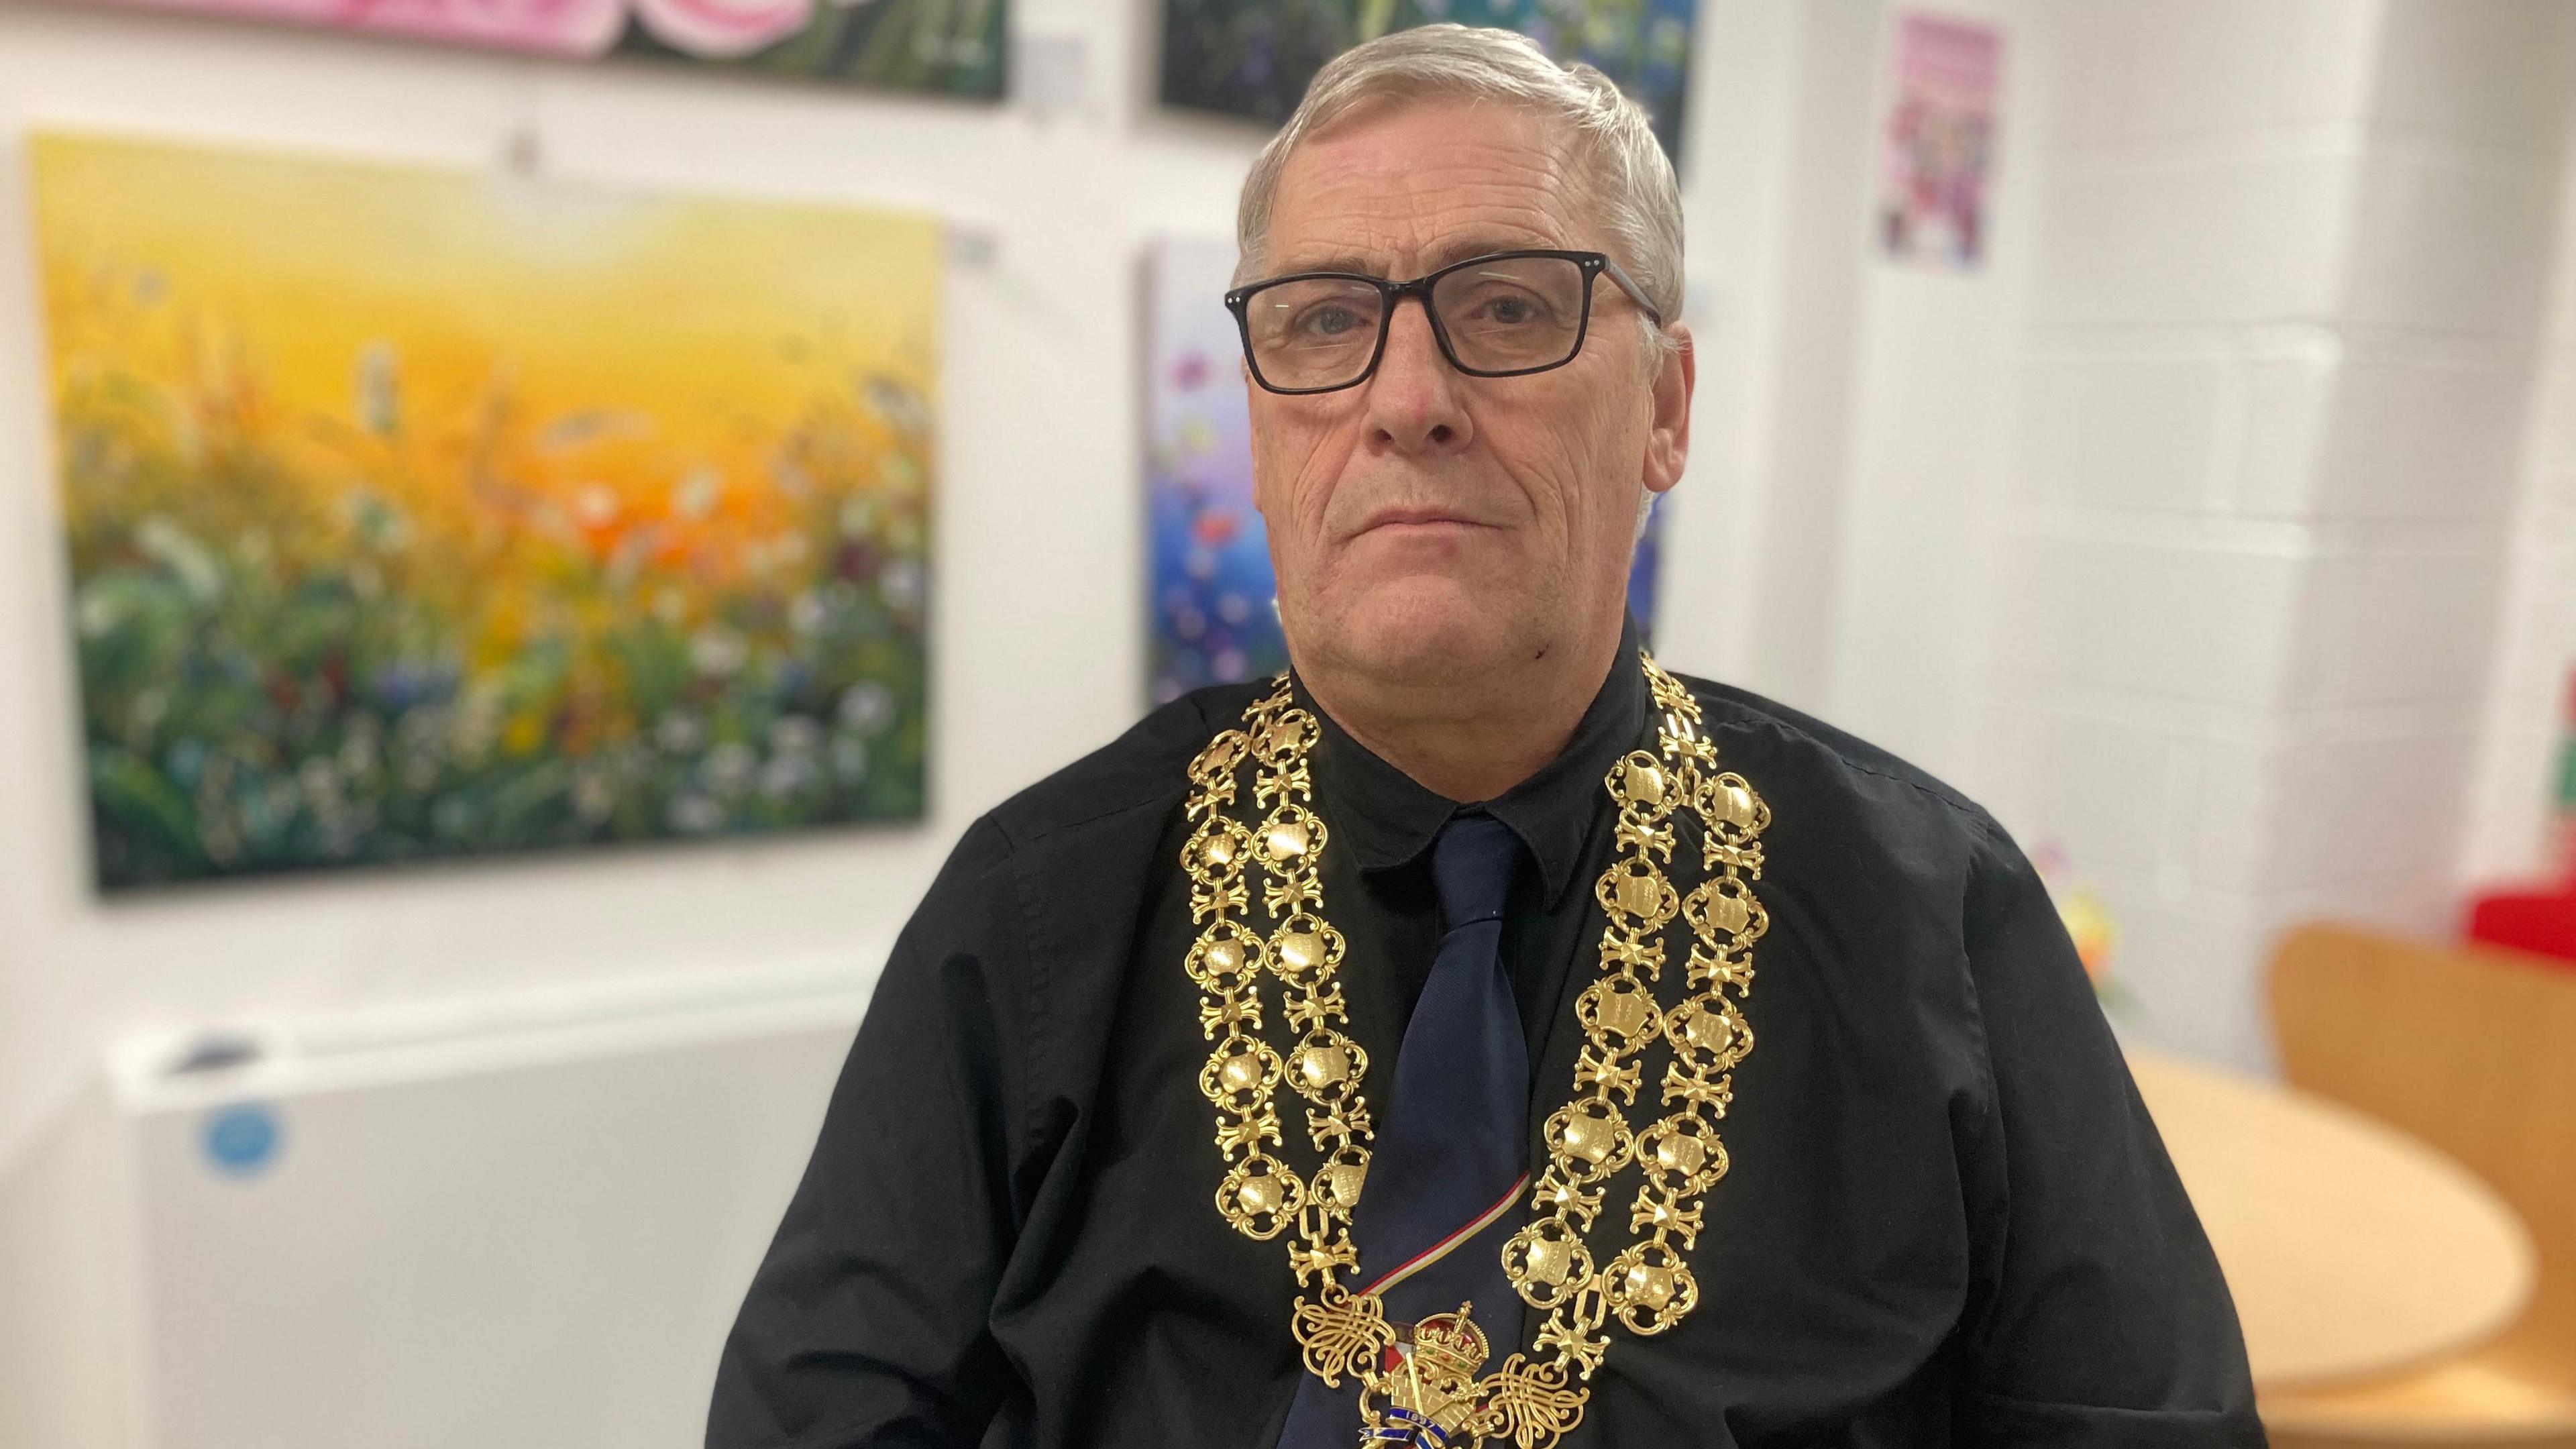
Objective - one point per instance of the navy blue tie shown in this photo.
(1445, 1178)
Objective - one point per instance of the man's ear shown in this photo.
(1668, 442)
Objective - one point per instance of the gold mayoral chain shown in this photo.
(1647, 1285)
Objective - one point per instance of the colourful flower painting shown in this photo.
(1212, 601)
(419, 514)
(1213, 605)
(1254, 57)
(949, 46)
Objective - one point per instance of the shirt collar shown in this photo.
(1389, 819)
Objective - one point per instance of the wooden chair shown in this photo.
(2475, 1052)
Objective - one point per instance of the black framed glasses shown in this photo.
(1501, 315)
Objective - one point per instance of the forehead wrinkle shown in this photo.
(1363, 238)
(1356, 195)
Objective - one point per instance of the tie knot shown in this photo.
(1471, 866)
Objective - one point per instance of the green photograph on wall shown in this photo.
(1253, 57)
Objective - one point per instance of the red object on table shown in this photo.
(2543, 924)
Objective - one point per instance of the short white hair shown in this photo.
(1614, 151)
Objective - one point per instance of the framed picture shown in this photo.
(1212, 603)
(1254, 57)
(419, 514)
(1939, 142)
(954, 47)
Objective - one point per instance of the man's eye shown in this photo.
(1510, 311)
(1331, 321)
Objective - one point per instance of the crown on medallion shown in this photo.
(1451, 1343)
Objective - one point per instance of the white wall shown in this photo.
(2519, 749)
(1933, 390)
(2279, 344)
(1802, 327)
(1875, 420)
(2175, 534)
(72, 1295)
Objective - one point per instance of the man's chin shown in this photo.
(1412, 636)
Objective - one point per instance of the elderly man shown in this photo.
(1368, 1057)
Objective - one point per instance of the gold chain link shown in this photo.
(1647, 1286)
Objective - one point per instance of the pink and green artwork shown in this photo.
(950, 46)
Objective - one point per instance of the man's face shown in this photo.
(1427, 526)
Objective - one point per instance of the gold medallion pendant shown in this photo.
(1426, 1383)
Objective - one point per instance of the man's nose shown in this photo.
(1413, 399)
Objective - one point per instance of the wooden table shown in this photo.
(2351, 1248)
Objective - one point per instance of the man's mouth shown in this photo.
(1416, 518)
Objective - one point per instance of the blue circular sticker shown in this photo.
(241, 1140)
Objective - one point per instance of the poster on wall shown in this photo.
(954, 47)
(417, 514)
(1938, 157)
(1212, 601)
(1254, 57)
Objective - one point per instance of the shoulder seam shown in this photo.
(1032, 1094)
(1161, 800)
(1160, 797)
(1957, 805)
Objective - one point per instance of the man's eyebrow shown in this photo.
(1341, 263)
(1447, 254)
(1484, 246)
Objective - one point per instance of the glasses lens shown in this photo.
(1313, 331)
(1512, 313)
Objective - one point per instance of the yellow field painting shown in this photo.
(418, 513)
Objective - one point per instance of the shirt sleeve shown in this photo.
(2098, 1316)
(866, 1325)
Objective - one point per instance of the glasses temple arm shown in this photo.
(1635, 293)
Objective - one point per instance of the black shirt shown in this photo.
(1949, 1218)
